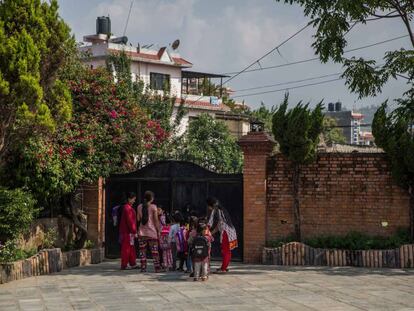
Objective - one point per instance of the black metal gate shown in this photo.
(177, 185)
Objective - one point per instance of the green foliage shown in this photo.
(17, 211)
(49, 238)
(209, 143)
(331, 133)
(264, 115)
(89, 244)
(394, 132)
(164, 115)
(297, 131)
(34, 42)
(334, 19)
(108, 128)
(353, 241)
(9, 252)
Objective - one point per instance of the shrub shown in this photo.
(89, 244)
(17, 211)
(352, 241)
(9, 252)
(49, 238)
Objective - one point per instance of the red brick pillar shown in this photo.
(256, 146)
(94, 205)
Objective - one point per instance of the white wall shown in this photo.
(144, 70)
(185, 122)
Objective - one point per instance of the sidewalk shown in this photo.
(246, 287)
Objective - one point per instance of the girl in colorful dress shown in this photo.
(165, 245)
(220, 221)
(149, 231)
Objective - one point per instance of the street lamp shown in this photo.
(256, 126)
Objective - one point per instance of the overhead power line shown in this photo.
(289, 82)
(268, 53)
(317, 58)
(236, 74)
(288, 88)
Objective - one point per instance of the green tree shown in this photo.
(297, 132)
(17, 211)
(209, 143)
(366, 77)
(34, 42)
(331, 133)
(335, 19)
(394, 132)
(264, 115)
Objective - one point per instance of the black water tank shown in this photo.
(338, 106)
(103, 25)
(331, 107)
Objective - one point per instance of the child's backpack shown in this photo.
(200, 247)
(181, 242)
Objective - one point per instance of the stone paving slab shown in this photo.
(245, 287)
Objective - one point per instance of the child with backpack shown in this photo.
(165, 245)
(200, 252)
(191, 234)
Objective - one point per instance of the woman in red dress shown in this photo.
(127, 233)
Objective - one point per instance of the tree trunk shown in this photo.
(79, 220)
(296, 205)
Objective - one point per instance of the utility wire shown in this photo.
(258, 60)
(268, 53)
(317, 58)
(129, 15)
(288, 88)
(289, 82)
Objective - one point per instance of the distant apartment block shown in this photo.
(350, 124)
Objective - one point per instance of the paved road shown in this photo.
(104, 287)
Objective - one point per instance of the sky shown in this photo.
(222, 36)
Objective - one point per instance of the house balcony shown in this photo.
(209, 86)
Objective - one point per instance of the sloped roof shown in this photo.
(155, 58)
(203, 105)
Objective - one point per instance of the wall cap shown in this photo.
(257, 141)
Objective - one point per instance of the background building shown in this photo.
(350, 124)
(164, 67)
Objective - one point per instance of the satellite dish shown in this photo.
(175, 44)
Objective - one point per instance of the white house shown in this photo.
(157, 68)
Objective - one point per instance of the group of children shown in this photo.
(188, 241)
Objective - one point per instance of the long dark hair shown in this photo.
(214, 203)
(148, 196)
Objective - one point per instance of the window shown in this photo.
(159, 81)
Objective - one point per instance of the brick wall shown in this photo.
(339, 193)
(256, 148)
(94, 205)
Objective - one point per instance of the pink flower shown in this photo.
(113, 114)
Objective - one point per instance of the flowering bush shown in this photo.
(108, 128)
